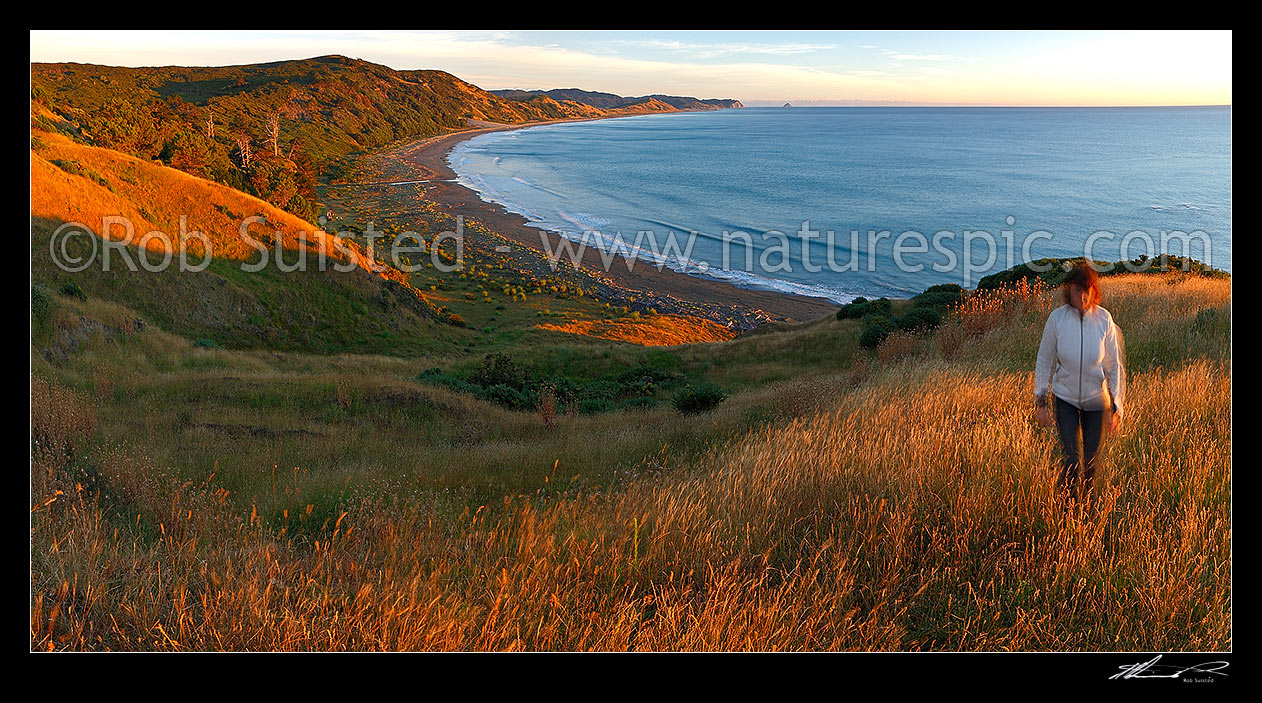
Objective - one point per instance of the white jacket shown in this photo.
(1082, 355)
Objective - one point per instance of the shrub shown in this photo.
(639, 403)
(41, 306)
(919, 319)
(591, 406)
(879, 327)
(602, 388)
(939, 297)
(455, 384)
(68, 166)
(861, 307)
(101, 181)
(701, 398)
(508, 396)
(500, 369)
(206, 343)
(72, 289)
(642, 381)
(853, 310)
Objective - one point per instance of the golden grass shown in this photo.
(984, 310)
(651, 331)
(113, 184)
(909, 506)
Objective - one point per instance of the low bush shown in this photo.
(700, 398)
(862, 307)
(501, 380)
(591, 406)
(639, 403)
(509, 397)
(68, 166)
(854, 309)
(940, 297)
(500, 369)
(919, 319)
(41, 306)
(72, 289)
(879, 327)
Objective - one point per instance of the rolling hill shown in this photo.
(352, 304)
(273, 129)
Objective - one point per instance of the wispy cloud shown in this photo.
(714, 50)
(900, 56)
(1103, 68)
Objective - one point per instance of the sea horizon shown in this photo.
(854, 183)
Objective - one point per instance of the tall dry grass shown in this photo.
(911, 507)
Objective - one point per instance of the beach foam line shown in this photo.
(702, 268)
(536, 186)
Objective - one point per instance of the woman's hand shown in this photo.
(1115, 423)
(1043, 415)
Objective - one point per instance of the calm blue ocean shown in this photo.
(901, 190)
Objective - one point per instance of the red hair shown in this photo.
(1085, 277)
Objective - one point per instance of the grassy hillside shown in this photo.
(317, 310)
(894, 499)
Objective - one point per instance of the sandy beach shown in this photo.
(428, 156)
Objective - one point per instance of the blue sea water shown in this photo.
(846, 201)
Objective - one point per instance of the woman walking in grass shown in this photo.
(1081, 370)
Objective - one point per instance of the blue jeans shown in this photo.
(1077, 469)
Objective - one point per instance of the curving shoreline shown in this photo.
(428, 156)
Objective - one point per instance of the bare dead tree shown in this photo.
(243, 146)
(273, 132)
(210, 125)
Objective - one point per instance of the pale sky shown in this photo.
(767, 67)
